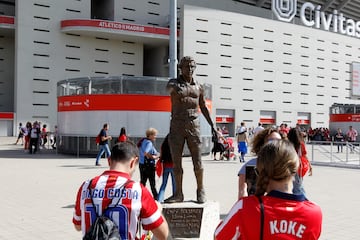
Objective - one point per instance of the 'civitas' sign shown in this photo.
(285, 10)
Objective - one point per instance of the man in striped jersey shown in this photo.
(135, 202)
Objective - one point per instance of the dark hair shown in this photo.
(295, 137)
(122, 131)
(165, 154)
(124, 151)
(105, 125)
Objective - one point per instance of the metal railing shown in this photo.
(344, 154)
(78, 144)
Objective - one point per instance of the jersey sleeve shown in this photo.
(150, 214)
(77, 210)
(229, 228)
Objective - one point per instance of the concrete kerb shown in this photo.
(336, 165)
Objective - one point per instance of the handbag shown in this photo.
(149, 162)
(159, 168)
(304, 166)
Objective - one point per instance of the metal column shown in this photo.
(173, 40)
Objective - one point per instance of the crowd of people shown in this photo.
(278, 187)
(318, 134)
(323, 134)
(35, 135)
(148, 157)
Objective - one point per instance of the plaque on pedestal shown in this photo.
(189, 220)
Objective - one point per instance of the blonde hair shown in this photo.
(151, 132)
(277, 160)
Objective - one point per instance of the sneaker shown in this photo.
(97, 164)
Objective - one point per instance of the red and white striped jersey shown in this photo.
(286, 217)
(136, 204)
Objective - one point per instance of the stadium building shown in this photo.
(270, 61)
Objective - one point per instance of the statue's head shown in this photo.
(185, 61)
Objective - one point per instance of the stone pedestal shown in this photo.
(190, 220)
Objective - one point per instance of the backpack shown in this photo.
(140, 142)
(98, 139)
(103, 228)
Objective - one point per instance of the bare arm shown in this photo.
(162, 231)
(204, 109)
(242, 186)
(103, 138)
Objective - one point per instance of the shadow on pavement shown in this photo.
(85, 166)
(69, 206)
(42, 154)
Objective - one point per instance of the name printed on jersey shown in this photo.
(287, 227)
(111, 193)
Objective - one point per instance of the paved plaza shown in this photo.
(38, 192)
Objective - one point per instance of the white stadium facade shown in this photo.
(279, 61)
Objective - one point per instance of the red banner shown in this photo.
(113, 102)
(115, 26)
(303, 121)
(117, 102)
(224, 119)
(344, 117)
(6, 115)
(7, 20)
(267, 120)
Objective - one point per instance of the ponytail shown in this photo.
(261, 185)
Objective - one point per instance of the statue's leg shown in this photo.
(176, 143)
(200, 192)
(194, 144)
